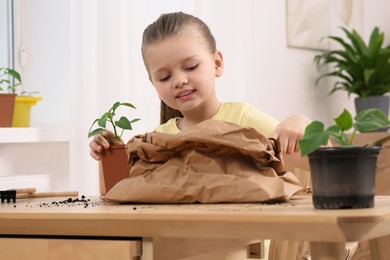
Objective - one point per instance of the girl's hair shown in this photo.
(170, 25)
(166, 113)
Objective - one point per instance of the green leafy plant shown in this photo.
(109, 117)
(9, 79)
(362, 69)
(316, 135)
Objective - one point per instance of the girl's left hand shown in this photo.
(289, 131)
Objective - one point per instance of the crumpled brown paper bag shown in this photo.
(212, 162)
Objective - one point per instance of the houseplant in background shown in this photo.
(23, 103)
(9, 80)
(360, 68)
(343, 176)
(18, 105)
(114, 164)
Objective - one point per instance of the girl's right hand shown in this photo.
(101, 141)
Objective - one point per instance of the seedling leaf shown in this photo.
(344, 121)
(123, 123)
(315, 136)
(311, 143)
(371, 119)
(103, 120)
(95, 132)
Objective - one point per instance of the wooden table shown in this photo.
(295, 220)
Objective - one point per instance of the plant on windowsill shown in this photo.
(21, 103)
(9, 80)
(361, 69)
(343, 176)
(114, 164)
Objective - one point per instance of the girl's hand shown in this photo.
(101, 141)
(289, 131)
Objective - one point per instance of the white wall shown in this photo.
(84, 55)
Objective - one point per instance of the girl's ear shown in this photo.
(218, 60)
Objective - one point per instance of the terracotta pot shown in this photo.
(114, 167)
(7, 104)
(343, 177)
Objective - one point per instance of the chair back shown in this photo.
(288, 250)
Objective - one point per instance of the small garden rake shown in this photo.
(13, 194)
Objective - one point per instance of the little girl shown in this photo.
(182, 62)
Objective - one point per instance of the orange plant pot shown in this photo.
(7, 104)
(114, 167)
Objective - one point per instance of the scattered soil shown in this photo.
(70, 202)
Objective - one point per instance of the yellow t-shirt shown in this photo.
(234, 112)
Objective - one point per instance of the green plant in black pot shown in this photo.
(360, 68)
(343, 176)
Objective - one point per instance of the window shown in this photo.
(6, 33)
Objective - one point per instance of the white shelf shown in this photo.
(33, 134)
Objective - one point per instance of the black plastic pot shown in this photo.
(343, 177)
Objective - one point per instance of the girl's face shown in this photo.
(183, 71)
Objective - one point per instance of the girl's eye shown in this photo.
(192, 67)
(165, 78)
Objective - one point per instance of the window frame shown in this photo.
(8, 35)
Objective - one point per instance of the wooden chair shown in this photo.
(300, 250)
(289, 250)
